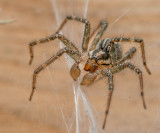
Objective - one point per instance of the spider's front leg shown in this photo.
(48, 62)
(61, 37)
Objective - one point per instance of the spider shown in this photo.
(104, 57)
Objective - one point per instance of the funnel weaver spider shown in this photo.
(104, 57)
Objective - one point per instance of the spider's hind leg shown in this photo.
(127, 55)
(137, 70)
(137, 40)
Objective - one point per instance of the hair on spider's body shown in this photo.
(103, 50)
(104, 57)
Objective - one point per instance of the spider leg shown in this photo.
(137, 70)
(113, 70)
(48, 62)
(62, 38)
(86, 34)
(137, 40)
(109, 74)
(127, 55)
(100, 31)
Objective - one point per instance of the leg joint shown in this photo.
(69, 17)
(130, 65)
(38, 70)
(57, 35)
(35, 72)
(116, 39)
(142, 94)
(106, 112)
(83, 20)
(106, 72)
(138, 40)
(138, 71)
(103, 22)
(110, 87)
(68, 50)
(33, 43)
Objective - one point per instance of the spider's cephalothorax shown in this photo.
(104, 57)
(101, 55)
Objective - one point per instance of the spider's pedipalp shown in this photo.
(75, 71)
(89, 78)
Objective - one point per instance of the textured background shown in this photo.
(34, 20)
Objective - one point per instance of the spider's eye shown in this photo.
(95, 58)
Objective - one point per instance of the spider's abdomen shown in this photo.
(104, 45)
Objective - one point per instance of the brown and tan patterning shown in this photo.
(105, 57)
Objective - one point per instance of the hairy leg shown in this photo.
(48, 62)
(86, 34)
(100, 31)
(62, 38)
(137, 40)
(127, 55)
(137, 70)
(109, 74)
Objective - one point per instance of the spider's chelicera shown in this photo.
(104, 57)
